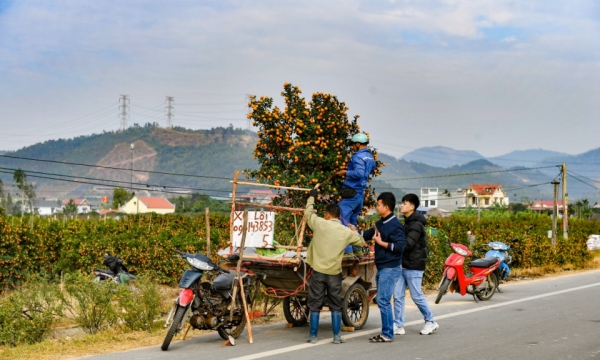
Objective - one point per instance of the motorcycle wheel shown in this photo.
(295, 310)
(443, 288)
(236, 330)
(177, 319)
(489, 289)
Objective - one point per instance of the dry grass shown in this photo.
(68, 342)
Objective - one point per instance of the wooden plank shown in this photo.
(270, 186)
(272, 207)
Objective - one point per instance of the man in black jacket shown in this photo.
(413, 267)
(388, 234)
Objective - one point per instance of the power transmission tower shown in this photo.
(170, 109)
(124, 108)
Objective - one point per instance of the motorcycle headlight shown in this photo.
(496, 247)
(198, 264)
(460, 251)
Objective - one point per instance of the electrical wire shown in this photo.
(467, 174)
(112, 168)
(578, 179)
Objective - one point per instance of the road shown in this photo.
(551, 318)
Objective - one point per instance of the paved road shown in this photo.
(554, 318)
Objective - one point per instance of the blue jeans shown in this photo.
(412, 278)
(386, 282)
(350, 208)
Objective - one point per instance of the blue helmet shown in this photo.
(360, 138)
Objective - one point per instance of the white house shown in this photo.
(445, 200)
(47, 207)
(148, 204)
(485, 195)
(83, 207)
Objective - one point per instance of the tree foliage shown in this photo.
(28, 189)
(304, 144)
(120, 197)
(70, 208)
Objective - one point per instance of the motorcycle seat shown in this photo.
(224, 281)
(105, 271)
(483, 263)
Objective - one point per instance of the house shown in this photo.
(485, 195)
(47, 207)
(546, 205)
(446, 200)
(146, 205)
(256, 196)
(83, 206)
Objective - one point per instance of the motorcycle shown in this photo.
(208, 304)
(481, 281)
(118, 271)
(500, 250)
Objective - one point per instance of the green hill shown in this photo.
(175, 161)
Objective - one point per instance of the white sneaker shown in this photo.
(399, 330)
(429, 328)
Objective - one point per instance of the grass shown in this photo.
(69, 342)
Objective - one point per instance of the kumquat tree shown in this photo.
(304, 145)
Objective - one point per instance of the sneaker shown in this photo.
(429, 328)
(399, 330)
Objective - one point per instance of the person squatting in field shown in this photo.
(324, 255)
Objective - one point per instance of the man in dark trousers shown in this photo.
(388, 235)
(324, 255)
(356, 177)
(414, 260)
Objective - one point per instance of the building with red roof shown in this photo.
(485, 195)
(143, 205)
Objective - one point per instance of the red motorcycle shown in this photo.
(481, 281)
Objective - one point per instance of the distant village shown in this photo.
(434, 202)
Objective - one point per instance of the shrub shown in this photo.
(27, 315)
(90, 302)
(139, 305)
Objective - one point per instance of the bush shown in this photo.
(27, 315)
(90, 302)
(139, 305)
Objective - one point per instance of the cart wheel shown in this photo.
(355, 308)
(295, 309)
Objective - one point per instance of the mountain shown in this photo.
(441, 156)
(208, 158)
(525, 158)
(205, 156)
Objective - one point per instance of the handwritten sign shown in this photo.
(259, 230)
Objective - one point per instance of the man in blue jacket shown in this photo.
(355, 182)
(389, 238)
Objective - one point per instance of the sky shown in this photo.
(490, 76)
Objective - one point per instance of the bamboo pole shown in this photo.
(269, 185)
(288, 247)
(301, 236)
(240, 283)
(235, 177)
(272, 207)
(206, 212)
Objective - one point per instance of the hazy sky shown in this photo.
(491, 76)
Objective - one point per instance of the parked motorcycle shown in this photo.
(118, 271)
(208, 303)
(501, 251)
(481, 281)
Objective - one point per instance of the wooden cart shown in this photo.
(286, 280)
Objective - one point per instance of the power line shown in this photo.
(466, 174)
(146, 186)
(112, 168)
(578, 179)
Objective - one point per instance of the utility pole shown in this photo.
(131, 180)
(565, 201)
(170, 109)
(124, 107)
(554, 212)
